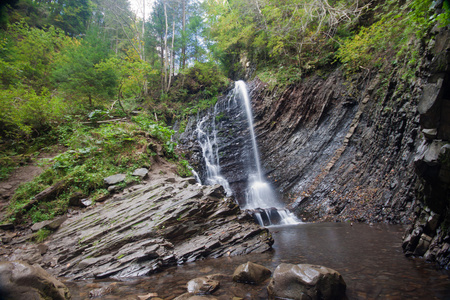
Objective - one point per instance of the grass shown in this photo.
(93, 154)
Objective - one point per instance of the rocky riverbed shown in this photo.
(165, 222)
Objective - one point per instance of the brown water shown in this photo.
(369, 258)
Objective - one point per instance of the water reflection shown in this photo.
(368, 257)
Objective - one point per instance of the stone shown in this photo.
(155, 226)
(202, 286)
(39, 225)
(42, 248)
(189, 296)
(86, 202)
(141, 172)
(251, 273)
(55, 223)
(430, 134)
(113, 188)
(423, 245)
(305, 281)
(114, 179)
(49, 224)
(429, 104)
(75, 199)
(19, 280)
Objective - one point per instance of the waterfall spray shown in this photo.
(260, 196)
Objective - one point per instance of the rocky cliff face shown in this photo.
(341, 149)
(428, 236)
(369, 148)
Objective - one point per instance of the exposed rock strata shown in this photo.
(429, 234)
(166, 222)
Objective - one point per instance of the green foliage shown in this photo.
(41, 235)
(23, 112)
(27, 54)
(387, 42)
(183, 168)
(296, 35)
(80, 71)
(93, 154)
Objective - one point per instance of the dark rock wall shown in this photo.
(428, 236)
(370, 148)
(341, 149)
(233, 140)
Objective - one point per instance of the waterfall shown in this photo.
(237, 139)
(207, 139)
(260, 197)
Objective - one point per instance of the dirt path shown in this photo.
(21, 175)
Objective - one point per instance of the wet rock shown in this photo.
(251, 273)
(306, 281)
(21, 281)
(423, 244)
(430, 134)
(202, 286)
(158, 225)
(141, 172)
(100, 292)
(114, 179)
(189, 296)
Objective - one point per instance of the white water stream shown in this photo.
(260, 198)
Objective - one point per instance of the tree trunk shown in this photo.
(143, 31)
(166, 62)
(183, 48)
(172, 58)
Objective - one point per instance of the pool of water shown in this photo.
(369, 258)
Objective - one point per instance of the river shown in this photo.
(369, 258)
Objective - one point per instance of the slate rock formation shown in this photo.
(166, 222)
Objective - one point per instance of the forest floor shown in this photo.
(25, 173)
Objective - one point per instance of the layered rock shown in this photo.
(232, 137)
(166, 222)
(428, 236)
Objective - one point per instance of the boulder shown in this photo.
(202, 285)
(19, 280)
(114, 179)
(251, 273)
(305, 281)
(141, 172)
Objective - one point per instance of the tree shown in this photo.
(77, 71)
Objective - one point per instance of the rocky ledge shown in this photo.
(166, 222)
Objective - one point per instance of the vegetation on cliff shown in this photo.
(67, 66)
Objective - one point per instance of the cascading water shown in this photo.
(260, 198)
(207, 138)
(227, 132)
